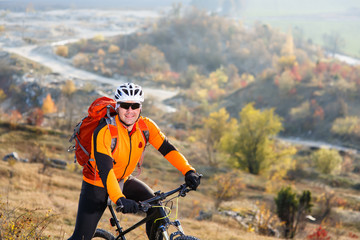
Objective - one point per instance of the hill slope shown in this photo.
(50, 192)
(308, 110)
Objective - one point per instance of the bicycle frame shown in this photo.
(145, 205)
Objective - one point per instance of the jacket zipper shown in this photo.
(129, 158)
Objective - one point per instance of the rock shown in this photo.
(13, 155)
(204, 215)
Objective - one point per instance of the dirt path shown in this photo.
(68, 71)
(75, 28)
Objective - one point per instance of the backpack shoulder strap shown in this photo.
(144, 129)
(111, 123)
(145, 133)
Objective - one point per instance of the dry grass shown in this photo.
(24, 186)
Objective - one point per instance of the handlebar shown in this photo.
(144, 206)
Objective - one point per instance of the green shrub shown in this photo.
(326, 161)
(346, 126)
(292, 209)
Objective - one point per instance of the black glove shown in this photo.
(127, 205)
(192, 179)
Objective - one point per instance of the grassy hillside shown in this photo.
(52, 194)
(56, 192)
(45, 191)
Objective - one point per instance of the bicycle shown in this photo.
(159, 229)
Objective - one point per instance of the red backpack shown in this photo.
(102, 107)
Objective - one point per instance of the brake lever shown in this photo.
(144, 206)
(186, 188)
(119, 208)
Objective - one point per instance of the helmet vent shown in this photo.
(128, 92)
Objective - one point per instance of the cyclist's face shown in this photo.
(129, 116)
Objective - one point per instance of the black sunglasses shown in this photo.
(133, 106)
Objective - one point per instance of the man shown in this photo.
(110, 173)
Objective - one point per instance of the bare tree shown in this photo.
(333, 42)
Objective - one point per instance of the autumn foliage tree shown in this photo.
(15, 116)
(62, 51)
(48, 105)
(347, 127)
(250, 145)
(80, 60)
(2, 95)
(35, 117)
(69, 88)
(215, 126)
(113, 49)
(227, 186)
(146, 58)
(326, 161)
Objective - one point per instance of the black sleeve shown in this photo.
(104, 162)
(166, 147)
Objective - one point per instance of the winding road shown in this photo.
(43, 52)
(66, 70)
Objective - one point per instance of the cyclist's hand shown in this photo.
(192, 179)
(127, 205)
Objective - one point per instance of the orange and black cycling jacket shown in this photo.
(111, 167)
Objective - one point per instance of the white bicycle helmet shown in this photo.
(129, 92)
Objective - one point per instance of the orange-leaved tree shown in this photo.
(48, 105)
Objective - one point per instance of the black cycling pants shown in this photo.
(93, 202)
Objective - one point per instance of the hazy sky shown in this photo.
(264, 5)
(46, 4)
